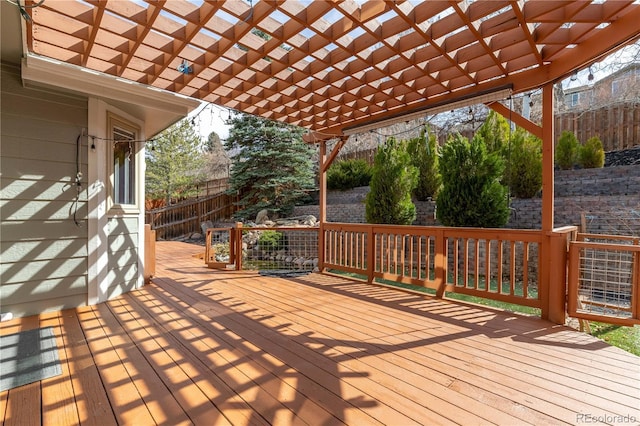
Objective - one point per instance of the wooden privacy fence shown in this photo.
(213, 187)
(617, 126)
(187, 217)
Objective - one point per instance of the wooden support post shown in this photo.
(322, 215)
(238, 246)
(550, 283)
(548, 143)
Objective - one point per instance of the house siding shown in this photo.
(123, 269)
(43, 252)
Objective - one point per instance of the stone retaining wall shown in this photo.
(609, 197)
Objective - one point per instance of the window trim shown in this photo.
(115, 121)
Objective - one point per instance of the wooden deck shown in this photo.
(214, 347)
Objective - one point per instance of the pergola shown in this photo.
(335, 67)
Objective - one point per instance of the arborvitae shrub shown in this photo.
(424, 156)
(494, 132)
(591, 154)
(566, 150)
(523, 172)
(347, 174)
(471, 194)
(393, 180)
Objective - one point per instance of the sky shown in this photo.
(211, 118)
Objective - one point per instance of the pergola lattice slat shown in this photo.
(328, 65)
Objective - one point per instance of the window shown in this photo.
(574, 99)
(124, 167)
(123, 162)
(616, 87)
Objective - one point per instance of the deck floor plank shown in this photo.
(406, 365)
(169, 394)
(192, 366)
(93, 404)
(395, 373)
(198, 346)
(58, 400)
(106, 346)
(242, 368)
(304, 364)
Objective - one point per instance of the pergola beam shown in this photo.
(511, 115)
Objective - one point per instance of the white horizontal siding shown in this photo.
(43, 253)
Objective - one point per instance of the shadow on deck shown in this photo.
(224, 347)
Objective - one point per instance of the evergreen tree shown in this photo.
(213, 143)
(423, 151)
(591, 154)
(523, 172)
(174, 163)
(272, 167)
(471, 192)
(494, 132)
(393, 180)
(567, 150)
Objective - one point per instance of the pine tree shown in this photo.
(393, 180)
(272, 167)
(174, 163)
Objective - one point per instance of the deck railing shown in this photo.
(604, 278)
(497, 264)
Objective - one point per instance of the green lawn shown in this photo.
(627, 338)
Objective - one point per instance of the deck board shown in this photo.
(198, 346)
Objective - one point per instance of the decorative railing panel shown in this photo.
(604, 278)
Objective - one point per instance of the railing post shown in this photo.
(440, 263)
(321, 243)
(635, 286)
(232, 246)
(207, 247)
(149, 253)
(238, 247)
(554, 290)
(371, 253)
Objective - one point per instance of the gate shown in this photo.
(604, 279)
